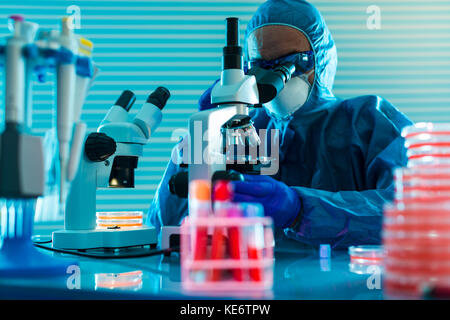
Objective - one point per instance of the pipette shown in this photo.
(15, 73)
(85, 74)
(21, 163)
(65, 98)
(28, 32)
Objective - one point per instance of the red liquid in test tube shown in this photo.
(234, 238)
(255, 240)
(223, 194)
(199, 207)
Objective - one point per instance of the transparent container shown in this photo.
(423, 174)
(119, 281)
(414, 209)
(416, 238)
(428, 143)
(437, 154)
(121, 219)
(422, 183)
(365, 268)
(415, 254)
(421, 131)
(369, 254)
(428, 160)
(246, 262)
(397, 285)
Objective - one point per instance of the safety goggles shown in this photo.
(304, 61)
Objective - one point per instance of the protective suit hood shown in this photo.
(304, 17)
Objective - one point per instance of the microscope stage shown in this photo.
(104, 238)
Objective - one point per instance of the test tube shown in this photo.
(223, 194)
(199, 207)
(255, 238)
(235, 240)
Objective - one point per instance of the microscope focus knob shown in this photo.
(99, 146)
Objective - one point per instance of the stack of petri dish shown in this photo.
(119, 219)
(416, 228)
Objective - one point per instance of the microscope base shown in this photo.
(104, 238)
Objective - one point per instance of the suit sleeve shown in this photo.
(167, 209)
(346, 218)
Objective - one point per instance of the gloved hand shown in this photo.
(204, 103)
(280, 202)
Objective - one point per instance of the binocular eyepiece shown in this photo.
(158, 98)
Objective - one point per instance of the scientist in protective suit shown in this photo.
(336, 156)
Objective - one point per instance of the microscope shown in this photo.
(224, 143)
(223, 140)
(109, 158)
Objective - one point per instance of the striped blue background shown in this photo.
(140, 45)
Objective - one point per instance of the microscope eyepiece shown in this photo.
(232, 52)
(159, 97)
(126, 100)
(232, 32)
(285, 71)
(271, 82)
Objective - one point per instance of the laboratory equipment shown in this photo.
(416, 238)
(65, 78)
(85, 75)
(366, 259)
(222, 196)
(21, 155)
(109, 158)
(21, 162)
(241, 269)
(224, 143)
(231, 138)
(254, 237)
(416, 225)
(224, 138)
(370, 254)
(310, 134)
(235, 238)
(18, 256)
(428, 144)
(119, 281)
(122, 219)
(199, 207)
(422, 183)
(59, 175)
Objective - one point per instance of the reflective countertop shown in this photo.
(299, 273)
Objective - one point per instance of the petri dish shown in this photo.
(367, 254)
(119, 219)
(419, 130)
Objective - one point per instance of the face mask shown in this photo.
(292, 97)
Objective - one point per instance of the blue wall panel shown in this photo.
(140, 45)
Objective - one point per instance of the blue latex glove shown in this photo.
(280, 202)
(204, 103)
